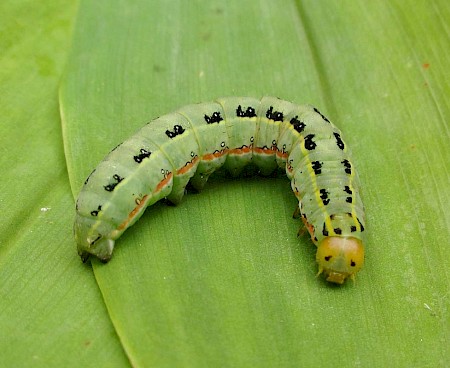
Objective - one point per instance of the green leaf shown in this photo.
(51, 311)
(222, 280)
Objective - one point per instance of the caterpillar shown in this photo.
(187, 146)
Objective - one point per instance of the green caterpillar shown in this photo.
(190, 144)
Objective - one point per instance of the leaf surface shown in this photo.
(223, 280)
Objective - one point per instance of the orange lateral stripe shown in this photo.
(309, 227)
(133, 213)
(163, 183)
(214, 155)
(187, 166)
(266, 151)
(240, 151)
(282, 154)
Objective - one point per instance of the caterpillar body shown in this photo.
(188, 145)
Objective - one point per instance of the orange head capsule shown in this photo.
(340, 258)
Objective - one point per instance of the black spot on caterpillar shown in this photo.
(348, 166)
(274, 115)
(316, 166)
(339, 142)
(322, 116)
(309, 143)
(110, 187)
(249, 113)
(299, 126)
(324, 196)
(95, 212)
(143, 154)
(214, 118)
(177, 130)
(187, 146)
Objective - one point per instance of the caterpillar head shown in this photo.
(340, 258)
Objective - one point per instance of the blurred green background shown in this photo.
(222, 279)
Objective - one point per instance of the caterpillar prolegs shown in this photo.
(188, 145)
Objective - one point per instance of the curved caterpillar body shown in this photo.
(190, 144)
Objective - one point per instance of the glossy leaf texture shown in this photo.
(51, 311)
